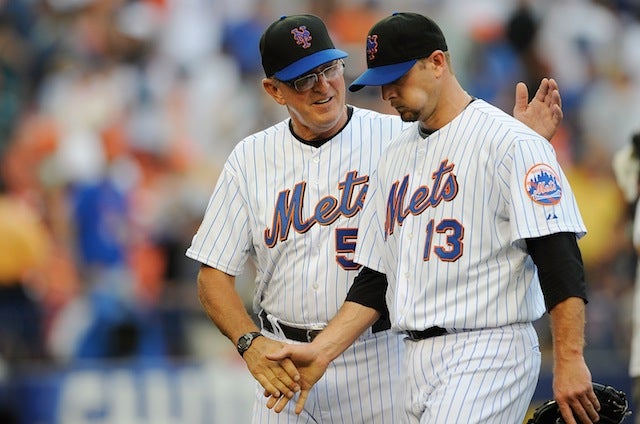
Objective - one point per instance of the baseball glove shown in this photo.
(614, 407)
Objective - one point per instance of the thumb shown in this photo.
(522, 98)
(279, 355)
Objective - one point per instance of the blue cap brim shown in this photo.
(381, 75)
(308, 63)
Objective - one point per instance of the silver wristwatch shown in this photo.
(244, 342)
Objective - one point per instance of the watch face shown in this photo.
(245, 341)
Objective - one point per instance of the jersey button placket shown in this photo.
(420, 155)
(314, 177)
(313, 196)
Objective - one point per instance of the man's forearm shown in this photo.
(349, 323)
(567, 327)
(223, 305)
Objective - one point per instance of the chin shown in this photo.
(408, 116)
(330, 111)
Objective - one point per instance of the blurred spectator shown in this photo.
(521, 32)
(626, 165)
(241, 37)
(574, 35)
(16, 59)
(603, 217)
(491, 62)
(610, 110)
(25, 245)
(349, 23)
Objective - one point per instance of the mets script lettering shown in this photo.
(288, 208)
(444, 188)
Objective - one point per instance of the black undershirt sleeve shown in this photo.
(560, 267)
(369, 289)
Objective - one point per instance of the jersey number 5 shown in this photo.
(346, 243)
(453, 231)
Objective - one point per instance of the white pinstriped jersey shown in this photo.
(447, 217)
(295, 209)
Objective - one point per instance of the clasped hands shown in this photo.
(284, 370)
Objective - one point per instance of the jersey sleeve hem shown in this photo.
(547, 231)
(364, 261)
(213, 264)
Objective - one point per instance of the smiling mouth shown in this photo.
(324, 101)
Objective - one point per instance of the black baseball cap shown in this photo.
(294, 45)
(395, 44)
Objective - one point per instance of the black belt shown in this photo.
(426, 334)
(293, 333)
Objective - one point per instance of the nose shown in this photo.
(321, 80)
(387, 92)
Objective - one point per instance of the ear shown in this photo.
(439, 61)
(438, 58)
(272, 87)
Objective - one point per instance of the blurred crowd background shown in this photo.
(117, 115)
